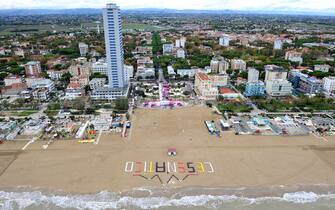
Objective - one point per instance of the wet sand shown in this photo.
(250, 161)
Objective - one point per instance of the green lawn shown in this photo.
(275, 105)
(12, 29)
(234, 107)
(24, 113)
(303, 103)
(140, 26)
(51, 113)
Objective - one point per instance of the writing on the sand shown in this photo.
(140, 167)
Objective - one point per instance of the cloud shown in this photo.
(300, 5)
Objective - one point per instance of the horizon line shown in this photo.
(259, 11)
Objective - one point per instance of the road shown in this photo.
(36, 115)
(292, 113)
(161, 75)
(40, 113)
(98, 139)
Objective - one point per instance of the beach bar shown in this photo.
(212, 128)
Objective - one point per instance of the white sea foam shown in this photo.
(107, 200)
(301, 197)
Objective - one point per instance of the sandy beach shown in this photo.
(117, 164)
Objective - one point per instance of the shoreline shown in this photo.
(179, 198)
(142, 192)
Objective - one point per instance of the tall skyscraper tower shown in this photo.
(114, 45)
(98, 26)
(118, 83)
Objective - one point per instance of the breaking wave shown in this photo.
(106, 200)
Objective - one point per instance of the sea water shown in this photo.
(37, 200)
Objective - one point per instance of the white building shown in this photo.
(323, 68)
(219, 65)
(145, 73)
(106, 93)
(100, 67)
(228, 93)
(206, 70)
(238, 64)
(224, 41)
(9, 130)
(42, 89)
(71, 94)
(278, 87)
(2, 51)
(329, 84)
(10, 80)
(278, 44)
(214, 65)
(180, 43)
(223, 66)
(31, 80)
(41, 94)
(167, 48)
(181, 53)
(102, 123)
(33, 69)
(97, 83)
(129, 72)
(171, 71)
(44, 83)
(294, 56)
(273, 72)
(83, 49)
(253, 75)
(82, 81)
(19, 52)
(34, 127)
(144, 62)
(219, 80)
(80, 69)
(188, 72)
(56, 75)
(206, 86)
(177, 43)
(183, 42)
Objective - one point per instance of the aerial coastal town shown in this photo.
(59, 85)
(124, 85)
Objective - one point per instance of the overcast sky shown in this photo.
(291, 5)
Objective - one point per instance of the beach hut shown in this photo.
(210, 126)
(224, 125)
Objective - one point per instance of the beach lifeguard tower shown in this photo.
(172, 152)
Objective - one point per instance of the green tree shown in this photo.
(65, 79)
(54, 106)
(157, 46)
(121, 104)
(98, 75)
(78, 104)
(58, 66)
(45, 75)
(3, 75)
(243, 74)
